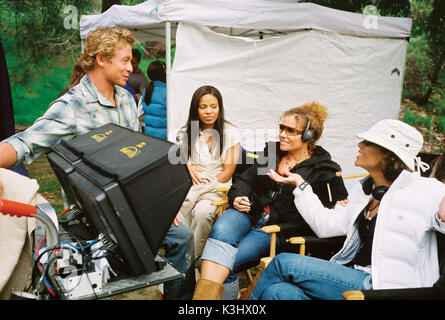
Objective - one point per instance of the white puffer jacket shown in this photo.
(404, 251)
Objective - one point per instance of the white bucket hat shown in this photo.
(400, 138)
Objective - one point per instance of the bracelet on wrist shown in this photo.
(303, 185)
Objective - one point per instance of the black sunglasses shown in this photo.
(290, 131)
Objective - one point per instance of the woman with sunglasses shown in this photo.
(389, 223)
(236, 241)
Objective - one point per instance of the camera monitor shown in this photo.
(126, 187)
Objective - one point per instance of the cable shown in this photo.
(49, 287)
(102, 256)
(47, 269)
(44, 268)
(85, 259)
(36, 263)
(63, 212)
(81, 247)
(38, 247)
(48, 273)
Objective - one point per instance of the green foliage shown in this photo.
(40, 52)
(131, 2)
(441, 124)
(397, 8)
(420, 11)
(408, 117)
(428, 58)
(426, 51)
(415, 119)
(432, 122)
(437, 105)
(32, 100)
(428, 121)
(39, 33)
(418, 66)
(146, 62)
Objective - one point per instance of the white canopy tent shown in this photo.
(146, 18)
(352, 63)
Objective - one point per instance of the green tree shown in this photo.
(436, 41)
(106, 4)
(426, 53)
(38, 33)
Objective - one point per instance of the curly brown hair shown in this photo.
(103, 41)
(314, 111)
(391, 165)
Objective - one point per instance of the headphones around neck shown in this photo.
(308, 133)
(377, 192)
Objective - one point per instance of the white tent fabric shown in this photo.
(338, 58)
(145, 18)
(352, 76)
(275, 14)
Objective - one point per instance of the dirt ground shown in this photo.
(149, 293)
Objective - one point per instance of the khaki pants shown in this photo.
(200, 221)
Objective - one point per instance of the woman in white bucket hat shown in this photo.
(390, 232)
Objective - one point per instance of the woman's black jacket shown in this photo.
(318, 170)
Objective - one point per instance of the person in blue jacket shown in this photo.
(154, 101)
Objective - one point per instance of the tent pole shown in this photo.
(168, 64)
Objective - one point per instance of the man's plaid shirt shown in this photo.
(82, 109)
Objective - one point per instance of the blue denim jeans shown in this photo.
(234, 244)
(179, 250)
(291, 276)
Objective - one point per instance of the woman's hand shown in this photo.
(193, 171)
(288, 178)
(342, 203)
(176, 220)
(242, 204)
